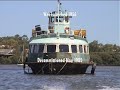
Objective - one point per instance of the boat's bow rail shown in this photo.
(53, 35)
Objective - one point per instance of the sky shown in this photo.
(100, 18)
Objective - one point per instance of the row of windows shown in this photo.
(61, 48)
(61, 19)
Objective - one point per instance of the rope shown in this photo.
(50, 67)
(42, 68)
(62, 68)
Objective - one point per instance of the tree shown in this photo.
(14, 42)
(24, 37)
(94, 46)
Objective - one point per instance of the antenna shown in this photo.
(58, 11)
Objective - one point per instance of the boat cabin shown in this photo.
(52, 48)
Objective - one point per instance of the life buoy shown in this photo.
(66, 29)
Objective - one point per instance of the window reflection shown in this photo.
(74, 48)
(41, 48)
(51, 48)
(35, 48)
(64, 48)
(84, 48)
(61, 19)
(80, 49)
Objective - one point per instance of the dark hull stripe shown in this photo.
(58, 68)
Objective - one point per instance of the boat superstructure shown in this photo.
(58, 50)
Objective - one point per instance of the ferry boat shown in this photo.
(59, 50)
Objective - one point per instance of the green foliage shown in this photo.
(107, 54)
(13, 42)
(96, 58)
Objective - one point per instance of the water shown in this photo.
(12, 77)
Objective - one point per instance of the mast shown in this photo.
(58, 12)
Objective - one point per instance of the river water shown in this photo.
(12, 77)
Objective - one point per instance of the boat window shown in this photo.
(52, 19)
(51, 48)
(85, 49)
(60, 19)
(49, 19)
(64, 48)
(74, 48)
(66, 19)
(31, 48)
(80, 49)
(35, 48)
(41, 48)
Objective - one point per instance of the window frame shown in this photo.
(84, 47)
(52, 51)
(52, 19)
(87, 49)
(81, 48)
(32, 48)
(35, 48)
(65, 45)
(39, 48)
(61, 19)
(72, 49)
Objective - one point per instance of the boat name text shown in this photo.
(60, 60)
(60, 14)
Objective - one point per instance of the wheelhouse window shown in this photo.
(66, 19)
(41, 48)
(52, 19)
(60, 19)
(80, 49)
(51, 48)
(49, 19)
(74, 48)
(63, 48)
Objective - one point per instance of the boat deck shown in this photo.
(53, 35)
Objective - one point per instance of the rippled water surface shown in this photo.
(106, 78)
